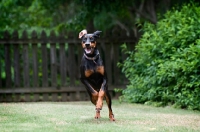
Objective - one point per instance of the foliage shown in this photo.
(106, 14)
(165, 66)
(36, 15)
(70, 15)
(22, 15)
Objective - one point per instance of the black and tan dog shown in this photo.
(93, 74)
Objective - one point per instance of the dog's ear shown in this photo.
(82, 33)
(97, 34)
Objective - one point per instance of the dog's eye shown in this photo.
(92, 39)
(84, 40)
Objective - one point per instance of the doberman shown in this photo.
(93, 74)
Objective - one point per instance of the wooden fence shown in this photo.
(46, 67)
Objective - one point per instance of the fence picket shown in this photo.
(63, 67)
(16, 61)
(63, 96)
(44, 60)
(36, 97)
(8, 60)
(53, 56)
(54, 97)
(35, 60)
(0, 75)
(115, 61)
(71, 64)
(108, 62)
(8, 65)
(45, 96)
(27, 97)
(25, 55)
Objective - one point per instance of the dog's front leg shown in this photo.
(93, 96)
(92, 93)
(101, 95)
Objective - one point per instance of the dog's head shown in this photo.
(89, 41)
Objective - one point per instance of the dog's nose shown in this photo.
(87, 45)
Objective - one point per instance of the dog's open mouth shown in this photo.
(88, 50)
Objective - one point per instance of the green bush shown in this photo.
(165, 67)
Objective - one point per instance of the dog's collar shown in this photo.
(92, 58)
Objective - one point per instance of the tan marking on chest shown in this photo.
(88, 73)
(100, 69)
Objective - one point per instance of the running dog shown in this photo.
(93, 74)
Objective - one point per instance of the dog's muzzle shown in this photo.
(88, 49)
(87, 45)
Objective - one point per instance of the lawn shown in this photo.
(79, 117)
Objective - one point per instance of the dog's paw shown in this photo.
(97, 116)
(112, 117)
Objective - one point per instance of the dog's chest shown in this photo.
(94, 71)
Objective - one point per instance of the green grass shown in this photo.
(79, 117)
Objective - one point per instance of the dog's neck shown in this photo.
(92, 56)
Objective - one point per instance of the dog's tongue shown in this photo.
(88, 50)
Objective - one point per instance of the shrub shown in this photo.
(165, 67)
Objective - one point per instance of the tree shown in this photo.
(62, 15)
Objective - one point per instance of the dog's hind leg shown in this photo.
(109, 103)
